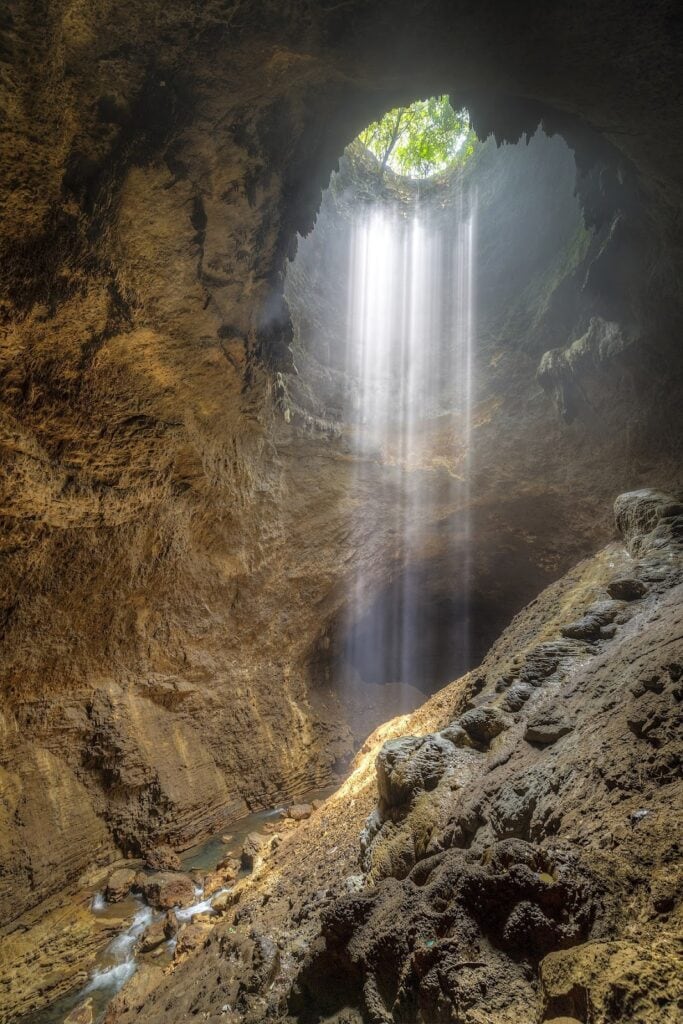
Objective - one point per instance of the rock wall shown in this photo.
(172, 550)
(508, 852)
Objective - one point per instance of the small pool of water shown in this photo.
(117, 961)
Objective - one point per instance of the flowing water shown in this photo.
(118, 960)
(410, 363)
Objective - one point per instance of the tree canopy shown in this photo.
(422, 139)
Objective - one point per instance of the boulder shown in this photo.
(119, 884)
(546, 730)
(456, 735)
(170, 922)
(152, 937)
(253, 849)
(218, 879)
(648, 520)
(484, 724)
(299, 812)
(412, 764)
(229, 866)
(162, 858)
(626, 588)
(166, 889)
(516, 697)
(224, 901)
(593, 624)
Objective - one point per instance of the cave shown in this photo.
(342, 505)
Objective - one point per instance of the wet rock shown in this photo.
(229, 866)
(484, 724)
(626, 588)
(224, 901)
(136, 992)
(162, 858)
(81, 1014)
(202, 918)
(170, 923)
(299, 812)
(152, 937)
(119, 885)
(227, 839)
(167, 889)
(216, 880)
(254, 848)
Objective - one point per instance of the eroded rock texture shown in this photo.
(498, 876)
(173, 550)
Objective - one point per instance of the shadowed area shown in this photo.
(213, 502)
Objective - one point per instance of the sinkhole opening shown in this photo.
(439, 270)
(419, 140)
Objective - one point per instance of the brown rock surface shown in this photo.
(50, 954)
(174, 547)
(170, 531)
(167, 889)
(254, 849)
(506, 880)
(81, 1014)
(119, 884)
(162, 858)
(152, 937)
(299, 812)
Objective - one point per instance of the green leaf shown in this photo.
(422, 139)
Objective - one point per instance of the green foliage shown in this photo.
(422, 139)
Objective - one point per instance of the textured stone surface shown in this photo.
(173, 550)
(119, 884)
(162, 858)
(156, 165)
(532, 867)
(167, 889)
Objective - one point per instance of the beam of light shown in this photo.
(410, 364)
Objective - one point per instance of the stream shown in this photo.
(118, 960)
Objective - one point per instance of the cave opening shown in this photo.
(432, 254)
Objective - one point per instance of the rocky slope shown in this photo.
(522, 861)
(173, 551)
